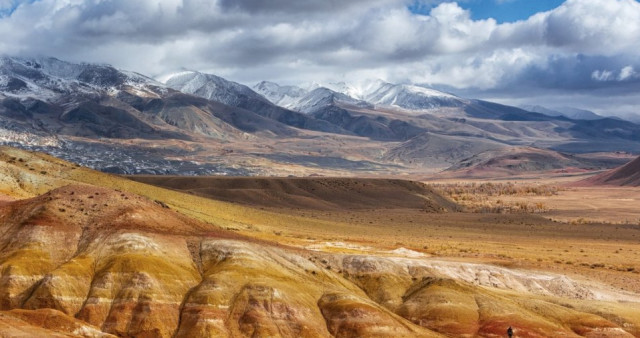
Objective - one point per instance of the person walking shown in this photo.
(510, 332)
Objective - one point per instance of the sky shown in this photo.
(578, 53)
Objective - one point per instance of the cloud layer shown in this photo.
(583, 47)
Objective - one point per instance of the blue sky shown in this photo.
(508, 10)
(500, 10)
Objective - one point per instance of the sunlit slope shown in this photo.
(83, 251)
(27, 174)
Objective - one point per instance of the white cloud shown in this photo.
(602, 75)
(581, 45)
(627, 73)
(6, 4)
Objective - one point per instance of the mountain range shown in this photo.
(194, 123)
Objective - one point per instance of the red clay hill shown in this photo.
(628, 175)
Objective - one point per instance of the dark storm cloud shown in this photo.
(581, 72)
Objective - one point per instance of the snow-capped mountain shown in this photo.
(311, 98)
(49, 78)
(121, 121)
(322, 97)
(80, 111)
(283, 96)
(374, 92)
(211, 87)
(350, 90)
(410, 97)
(215, 88)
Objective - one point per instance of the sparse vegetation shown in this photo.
(490, 197)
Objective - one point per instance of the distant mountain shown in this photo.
(101, 101)
(81, 110)
(369, 93)
(309, 100)
(398, 112)
(76, 99)
(124, 122)
(231, 93)
(410, 97)
(283, 96)
(340, 110)
(323, 97)
(572, 113)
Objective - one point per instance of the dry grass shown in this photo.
(491, 197)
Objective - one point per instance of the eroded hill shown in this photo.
(87, 254)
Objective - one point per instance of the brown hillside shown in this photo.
(309, 193)
(513, 161)
(627, 175)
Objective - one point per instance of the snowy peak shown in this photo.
(311, 99)
(210, 86)
(321, 97)
(283, 96)
(47, 78)
(352, 91)
(410, 97)
(215, 88)
(366, 93)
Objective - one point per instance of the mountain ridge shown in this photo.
(135, 124)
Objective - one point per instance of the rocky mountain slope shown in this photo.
(100, 101)
(283, 96)
(89, 260)
(123, 122)
(234, 94)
